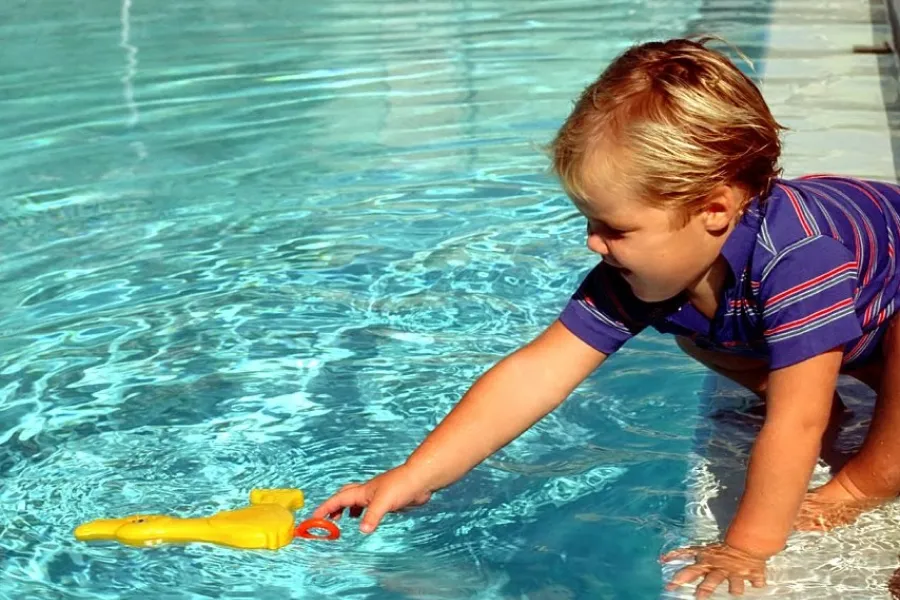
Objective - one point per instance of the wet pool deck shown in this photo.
(833, 99)
(841, 106)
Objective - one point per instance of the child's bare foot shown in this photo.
(832, 505)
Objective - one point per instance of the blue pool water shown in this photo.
(271, 244)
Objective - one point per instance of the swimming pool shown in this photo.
(271, 245)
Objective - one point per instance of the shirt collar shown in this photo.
(739, 245)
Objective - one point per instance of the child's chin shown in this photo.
(651, 295)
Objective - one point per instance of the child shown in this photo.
(671, 155)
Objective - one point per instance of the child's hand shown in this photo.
(717, 563)
(391, 491)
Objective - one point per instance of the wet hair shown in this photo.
(669, 121)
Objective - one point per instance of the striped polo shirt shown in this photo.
(811, 267)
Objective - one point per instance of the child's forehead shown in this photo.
(605, 205)
(598, 191)
(613, 202)
(604, 169)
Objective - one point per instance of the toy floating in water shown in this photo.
(267, 523)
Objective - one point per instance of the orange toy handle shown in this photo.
(303, 530)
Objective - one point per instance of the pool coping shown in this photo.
(893, 10)
(890, 66)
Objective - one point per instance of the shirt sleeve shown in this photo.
(597, 313)
(807, 296)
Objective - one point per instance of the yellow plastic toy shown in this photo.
(267, 523)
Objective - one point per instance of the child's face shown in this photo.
(657, 258)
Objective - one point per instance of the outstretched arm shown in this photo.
(502, 404)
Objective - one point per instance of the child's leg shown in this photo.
(875, 470)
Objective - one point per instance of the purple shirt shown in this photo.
(811, 267)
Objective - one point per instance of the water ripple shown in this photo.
(271, 245)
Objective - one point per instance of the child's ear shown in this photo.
(722, 206)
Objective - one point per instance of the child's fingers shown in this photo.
(687, 575)
(376, 511)
(347, 497)
(736, 586)
(709, 584)
(679, 554)
(758, 579)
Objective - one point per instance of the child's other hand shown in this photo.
(717, 563)
(391, 491)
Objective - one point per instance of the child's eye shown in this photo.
(604, 230)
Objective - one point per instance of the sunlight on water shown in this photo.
(270, 244)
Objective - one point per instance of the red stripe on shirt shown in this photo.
(796, 204)
(811, 282)
(811, 317)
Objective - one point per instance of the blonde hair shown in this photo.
(682, 118)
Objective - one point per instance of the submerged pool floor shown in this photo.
(272, 244)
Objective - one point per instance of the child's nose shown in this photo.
(596, 244)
